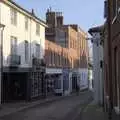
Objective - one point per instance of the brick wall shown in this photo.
(57, 56)
(73, 38)
(112, 53)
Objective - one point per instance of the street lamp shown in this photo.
(1, 45)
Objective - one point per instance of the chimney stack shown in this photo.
(33, 13)
(59, 18)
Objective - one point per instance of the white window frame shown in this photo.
(26, 51)
(13, 45)
(13, 16)
(26, 23)
(37, 51)
(37, 29)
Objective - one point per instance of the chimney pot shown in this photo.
(33, 13)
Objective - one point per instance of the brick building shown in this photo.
(112, 59)
(72, 39)
(58, 58)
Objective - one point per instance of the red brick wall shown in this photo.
(56, 56)
(112, 42)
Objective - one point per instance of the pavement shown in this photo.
(92, 112)
(60, 109)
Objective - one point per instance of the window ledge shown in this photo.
(117, 110)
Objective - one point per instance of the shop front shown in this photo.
(67, 82)
(54, 81)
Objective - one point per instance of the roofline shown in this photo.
(24, 11)
(95, 29)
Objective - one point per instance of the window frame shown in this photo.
(13, 45)
(26, 23)
(37, 29)
(37, 51)
(13, 15)
(26, 53)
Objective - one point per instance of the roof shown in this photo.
(96, 29)
(26, 11)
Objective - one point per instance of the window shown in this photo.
(37, 29)
(55, 58)
(13, 45)
(59, 59)
(26, 23)
(37, 50)
(26, 51)
(13, 13)
(51, 56)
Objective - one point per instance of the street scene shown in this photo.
(59, 60)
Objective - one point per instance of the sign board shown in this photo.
(53, 71)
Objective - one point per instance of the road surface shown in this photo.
(66, 109)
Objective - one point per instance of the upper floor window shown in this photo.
(37, 50)
(13, 14)
(26, 51)
(51, 57)
(26, 23)
(37, 29)
(13, 45)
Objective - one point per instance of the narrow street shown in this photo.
(68, 108)
(58, 63)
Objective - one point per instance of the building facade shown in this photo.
(23, 49)
(73, 38)
(59, 62)
(98, 75)
(112, 59)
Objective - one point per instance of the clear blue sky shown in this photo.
(85, 13)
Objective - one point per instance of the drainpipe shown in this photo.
(2, 29)
(109, 60)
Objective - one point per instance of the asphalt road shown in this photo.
(68, 108)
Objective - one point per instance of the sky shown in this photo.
(85, 13)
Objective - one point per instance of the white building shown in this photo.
(23, 40)
(97, 64)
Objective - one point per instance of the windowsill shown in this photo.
(117, 110)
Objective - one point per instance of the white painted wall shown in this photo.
(90, 80)
(21, 34)
(97, 71)
(83, 78)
